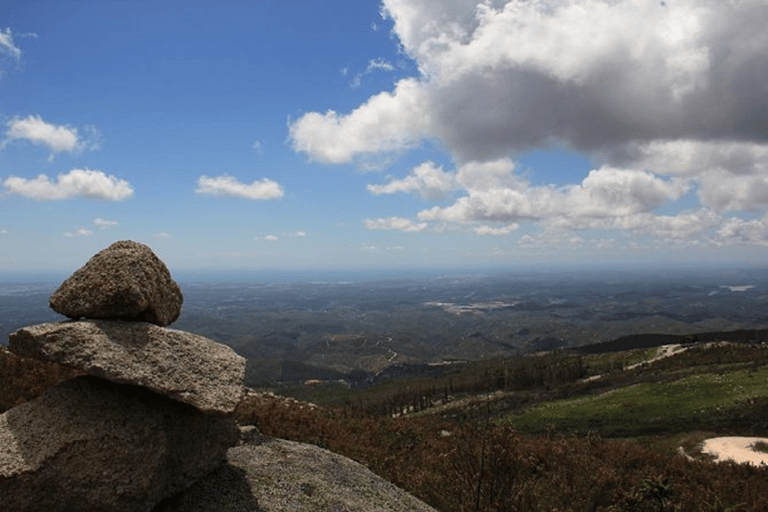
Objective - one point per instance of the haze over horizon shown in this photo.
(399, 134)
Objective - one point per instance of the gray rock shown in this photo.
(90, 444)
(180, 365)
(125, 281)
(273, 475)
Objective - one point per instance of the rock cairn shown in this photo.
(153, 415)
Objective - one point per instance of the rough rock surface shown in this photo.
(125, 281)
(274, 475)
(183, 366)
(90, 444)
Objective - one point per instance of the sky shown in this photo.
(287, 134)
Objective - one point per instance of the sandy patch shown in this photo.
(738, 449)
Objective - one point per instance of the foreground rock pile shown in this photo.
(152, 416)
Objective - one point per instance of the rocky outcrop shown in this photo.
(125, 281)
(89, 444)
(273, 475)
(180, 365)
(153, 416)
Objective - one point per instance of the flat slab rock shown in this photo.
(91, 444)
(273, 475)
(125, 281)
(183, 366)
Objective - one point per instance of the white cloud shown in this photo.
(229, 186)
(57, 138)
(731, 175)
(498, 76)
(162, 235)
(299, 234)
(665, 98)
(609, 192)
(78, 233)
(724, 191)
(495, 193)
(268, 238)
(373, 65)
(104, 224)
(258, 146)
(739, 231)
(37, 131)
(395, 223)
(387, 122)
(427, 180)
(76, 183)
(7, 46)
(683, 226)
(497, 231)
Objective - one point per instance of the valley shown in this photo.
(335, 328)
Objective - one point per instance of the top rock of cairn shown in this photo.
(125, 281)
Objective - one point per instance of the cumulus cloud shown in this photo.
(666, 98)
(495, 193)
(7, 46)
(395, 223)
(85, 183)
(500, 76)
(229, 186)
(57, 138)
(730, 175)
(740, 231)
(386, 122)
(427, 180)
(683, 226)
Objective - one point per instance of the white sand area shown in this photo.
(738, 449)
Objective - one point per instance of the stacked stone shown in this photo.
(153, 414)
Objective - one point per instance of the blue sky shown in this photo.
(394, 134)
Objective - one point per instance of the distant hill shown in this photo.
(637, 341)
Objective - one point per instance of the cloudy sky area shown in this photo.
(400, 134)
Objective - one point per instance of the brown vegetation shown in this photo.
(474, 467)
